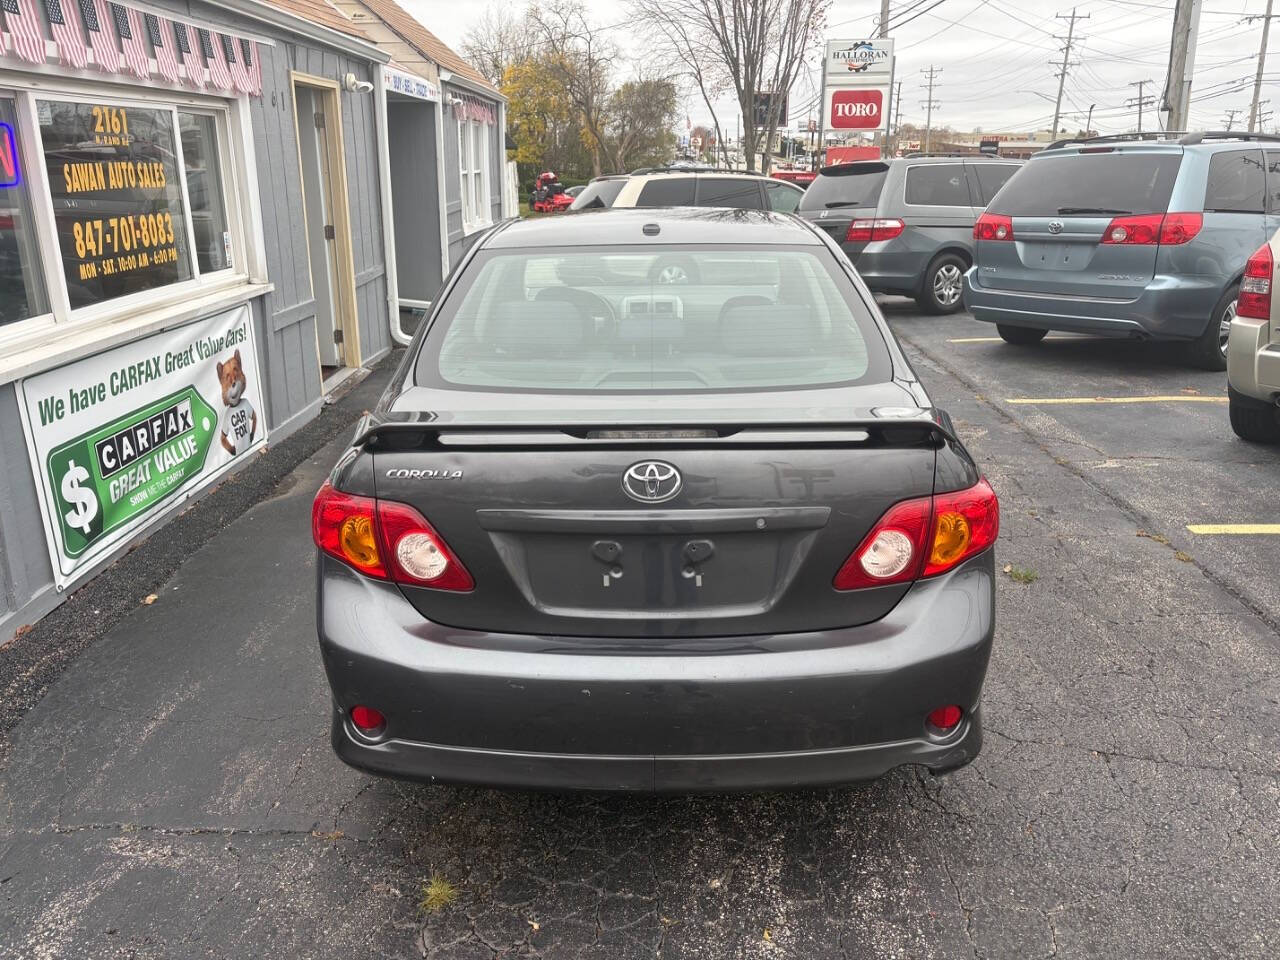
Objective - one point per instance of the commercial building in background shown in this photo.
(196, 245)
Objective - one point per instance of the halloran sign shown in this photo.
(857, 83)
(114, 437)
(854, 57)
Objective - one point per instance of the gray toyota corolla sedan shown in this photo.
(617, 526)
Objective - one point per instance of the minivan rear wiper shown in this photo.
(1075, 211)
(844, 203)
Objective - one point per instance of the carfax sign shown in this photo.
(115, 437)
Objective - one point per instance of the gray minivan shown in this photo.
(906, 224)
(1128, 236)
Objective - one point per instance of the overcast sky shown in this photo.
(995, 56)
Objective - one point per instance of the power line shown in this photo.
(1140, 101)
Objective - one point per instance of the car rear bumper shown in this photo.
(1253, 361)
(1172, 308)
(731, 714)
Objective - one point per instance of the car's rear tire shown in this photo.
(1209, 350)
(942, 289)
(1252, 419)
(1021, 336)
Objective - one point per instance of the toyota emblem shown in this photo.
(651, 481)
(1055, 227)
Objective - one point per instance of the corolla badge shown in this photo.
(651, 481)
(1055, 227)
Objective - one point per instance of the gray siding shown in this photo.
(458, 241)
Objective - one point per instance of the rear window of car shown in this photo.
(601, 193)
(742, 193)
(1273, 181)
(1236, 182)
(667, 192)
(988, 178)
(857, 185)
(1090, 184)
(652, 320)
(937, 185)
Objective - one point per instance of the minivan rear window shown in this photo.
(857, 185)
(1090, 184)
(652, 320)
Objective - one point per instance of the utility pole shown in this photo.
(1231, 118)
(930, 105)
(1262, 62)
(1088, 124)
(1182, 60)
(884, 18)
(1140, 100)
(1066, 62)
(897, 116)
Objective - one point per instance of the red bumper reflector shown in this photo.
(368, 721)
(945, 718)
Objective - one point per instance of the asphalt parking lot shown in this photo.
(173, 793)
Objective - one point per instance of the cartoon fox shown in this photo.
(239, 420)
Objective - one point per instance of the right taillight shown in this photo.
(385, 540)
(1149, 229)
(1255, 289)
(866, 231)
(993, 226)
(923, 538)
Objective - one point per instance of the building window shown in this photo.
(109, 203)
(117, 198)
(473, 162)
(204, 187)
(22, 294)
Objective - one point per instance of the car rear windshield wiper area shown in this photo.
(1096, 211)
(843, 203)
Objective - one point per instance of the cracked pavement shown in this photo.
(173, 793)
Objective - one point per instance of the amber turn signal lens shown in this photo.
(950, 540)
(357, 541)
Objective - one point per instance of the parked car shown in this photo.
(599, 193)
(1130, 236)
(907, 223)
(575, 191)
(1253, 347)
(598, 534)
(708, 187)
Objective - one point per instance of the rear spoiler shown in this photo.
(891, 426)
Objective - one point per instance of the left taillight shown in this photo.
(1255, 287)
(386, 540)
(923, 538)
(868, 231)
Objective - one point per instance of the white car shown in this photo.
(1253, 350)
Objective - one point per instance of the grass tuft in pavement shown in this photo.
(1021, 574)
(437, 893)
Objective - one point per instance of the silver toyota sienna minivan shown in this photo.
(1128, 236)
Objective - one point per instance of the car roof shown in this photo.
(709, 172)
(675, 225)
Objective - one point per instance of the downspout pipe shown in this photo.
(388, 215)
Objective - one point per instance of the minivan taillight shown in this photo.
(865, 231)
(1166, 229)
(1255, 289)
(385, 540)
(993, 226)
(923, 538)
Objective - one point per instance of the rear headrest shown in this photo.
(538, 328)
(772, 330)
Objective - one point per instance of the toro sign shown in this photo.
(857, 109)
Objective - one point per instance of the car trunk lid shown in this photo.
(1061, 207)
(841, 194)
(766, 507)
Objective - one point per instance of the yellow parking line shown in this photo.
(1236, 528)
(1174, 398)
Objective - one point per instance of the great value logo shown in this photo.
(121, 470)
(857, 109)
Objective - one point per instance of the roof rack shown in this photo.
(688, 168)
(920, 154)
(1203, 135)
(1118, 137)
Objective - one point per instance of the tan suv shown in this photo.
(1253, 350)
(673, 187)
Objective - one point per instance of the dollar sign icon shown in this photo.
(84, 503)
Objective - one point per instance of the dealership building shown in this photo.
(211, 216)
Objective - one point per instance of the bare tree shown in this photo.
(583, 58)
(498, 40)
(746, 46)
